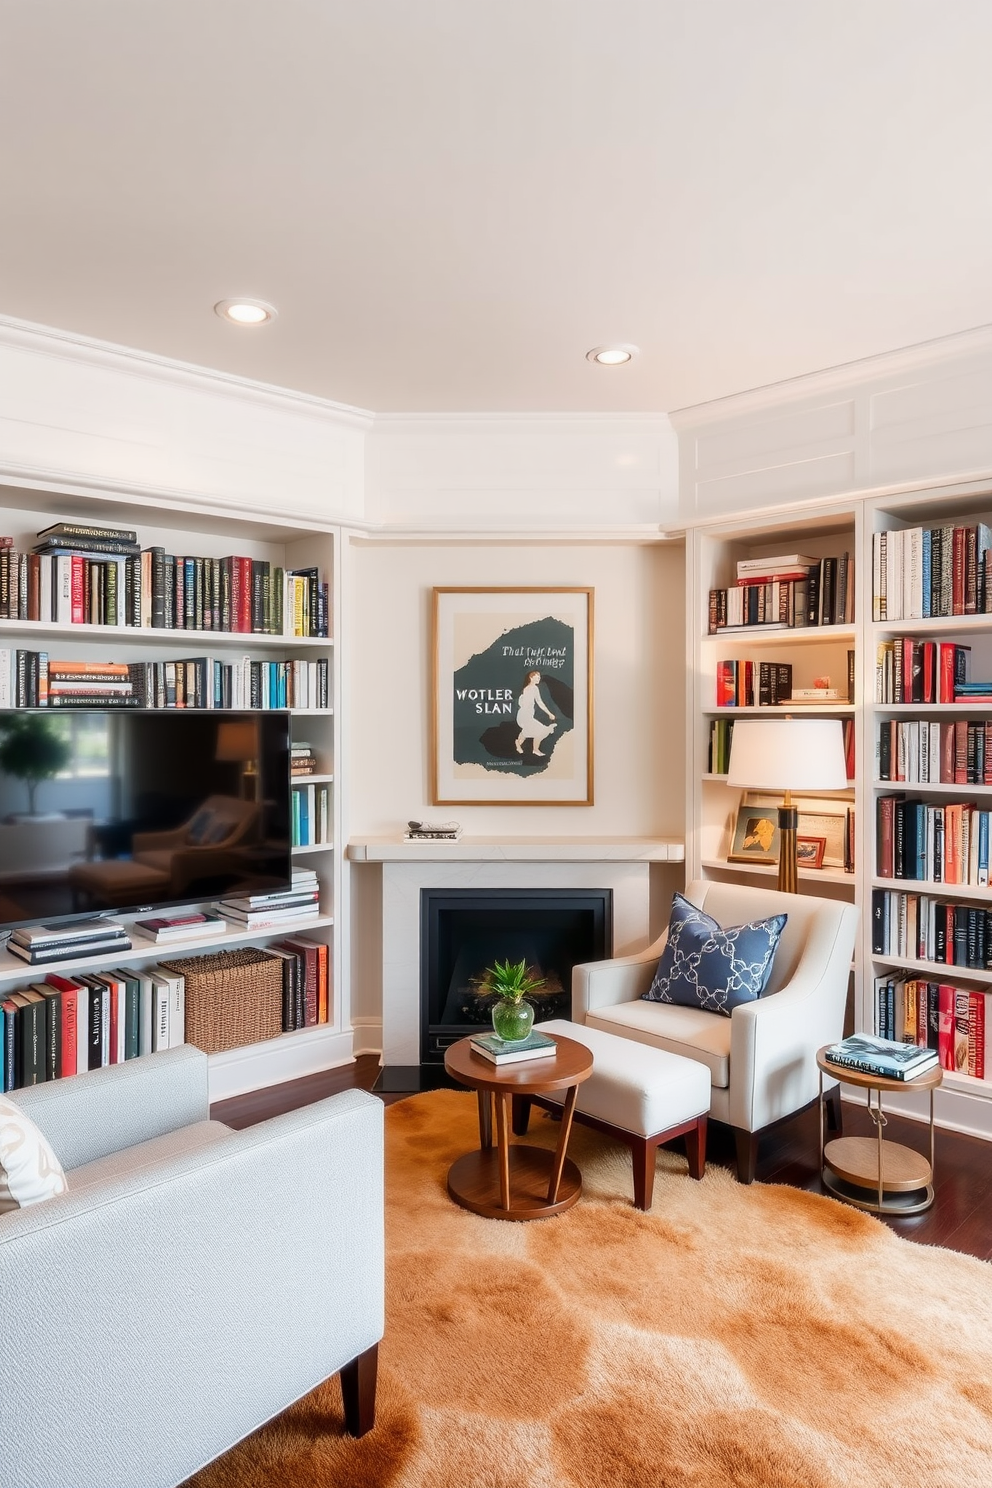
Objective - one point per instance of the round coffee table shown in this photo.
(871, 1172)
(517, 1182)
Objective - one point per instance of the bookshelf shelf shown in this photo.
(804, 710)
(13, 970)
(200, 640)
(923, 788)
(936, 970)
(927, 886)
(937, 625)
(770, 870)
(800, 635)
(313, 847)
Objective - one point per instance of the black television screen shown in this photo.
(121, 810)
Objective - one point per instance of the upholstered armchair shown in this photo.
(761, 1059)
(191, 1283)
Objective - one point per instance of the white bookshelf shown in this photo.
(209, 532)
(962, 1101)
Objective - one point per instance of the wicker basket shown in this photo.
(232, 998)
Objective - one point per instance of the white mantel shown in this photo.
(519, 850)
(621, 865)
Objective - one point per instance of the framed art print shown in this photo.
(512, 697)
(809, 851)
(756, 834)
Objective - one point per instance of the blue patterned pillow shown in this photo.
(707, 967)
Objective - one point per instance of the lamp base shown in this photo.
(788, 825)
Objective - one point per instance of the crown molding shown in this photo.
(68, 346)
(848, 377)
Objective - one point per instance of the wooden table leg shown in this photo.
(503, 1141)
(485, 1119)
(566, 1127)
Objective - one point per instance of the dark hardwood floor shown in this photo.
(960, 1217)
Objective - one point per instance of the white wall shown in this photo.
(639, 680)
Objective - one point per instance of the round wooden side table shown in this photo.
(870, 1172)
(516, 1182)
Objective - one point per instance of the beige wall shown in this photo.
(639, 661)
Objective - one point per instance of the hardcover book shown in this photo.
(886, 1057)
(498, 1051)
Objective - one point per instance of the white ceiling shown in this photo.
(451, 201)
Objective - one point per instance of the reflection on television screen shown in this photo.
(113, 810)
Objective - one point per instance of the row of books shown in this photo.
(302, 760)
(932, 843)
(311, 815)
(914, 671)
(33, 679)
(272, 910)
(306, 981)
(753, 684)
(922, 572)
(79, 574)
(922, 927)
(61, 1026)
(951, 1021)
(786, 592)
(921, 751)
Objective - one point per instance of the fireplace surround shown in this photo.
(462, 931)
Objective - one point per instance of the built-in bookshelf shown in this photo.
(272, 651)
(928, 683)
(803, 640)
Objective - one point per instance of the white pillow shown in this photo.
(29, 1169)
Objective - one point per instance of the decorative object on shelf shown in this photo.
(511, 981)
(788, 754)
(513, 697)
(421, 831)
(809, 851)
(756, 834)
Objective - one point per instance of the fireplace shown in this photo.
(462, 931)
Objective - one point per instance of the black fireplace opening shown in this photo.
(462, 931)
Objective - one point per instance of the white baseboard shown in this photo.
(288, 1057)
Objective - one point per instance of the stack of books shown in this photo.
(65, 942)
(418, 831)
(884, 1057)
(498, 1051)
(784, 592)
(265, 911)
(192, 924)
(302, 760)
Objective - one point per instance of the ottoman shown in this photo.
(640, 1095)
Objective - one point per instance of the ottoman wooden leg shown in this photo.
(358, 1381)
(644, 1155)
(695, 1148)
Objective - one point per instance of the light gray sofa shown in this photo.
(193, 1281)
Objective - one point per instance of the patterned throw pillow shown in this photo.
(708, 967)
(29, 1169)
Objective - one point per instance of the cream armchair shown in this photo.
(762, 1058)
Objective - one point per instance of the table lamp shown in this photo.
(786, 755)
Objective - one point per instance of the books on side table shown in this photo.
(63, 942)
(884, 1057)
(498, 1051)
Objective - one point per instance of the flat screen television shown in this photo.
(121, 810)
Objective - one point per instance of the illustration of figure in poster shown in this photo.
(530, 704)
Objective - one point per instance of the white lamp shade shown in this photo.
(788, 754)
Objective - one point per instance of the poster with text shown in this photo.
(513, 697)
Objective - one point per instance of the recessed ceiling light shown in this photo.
(245, 312)
(611, 356)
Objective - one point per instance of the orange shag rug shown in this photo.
(731, 1338)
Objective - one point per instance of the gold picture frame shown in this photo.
(512, 716)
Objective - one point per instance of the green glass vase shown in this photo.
(512, 1021)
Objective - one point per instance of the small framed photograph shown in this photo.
(831, 828)
(756, 834)
(809, 851)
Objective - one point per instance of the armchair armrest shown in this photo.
(598, 984)
(773, 1042)
(106, 1110)
(171, 1313)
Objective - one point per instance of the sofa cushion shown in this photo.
(706, 966)
(29, 1169)
(143, 1154)
(679, 1030)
